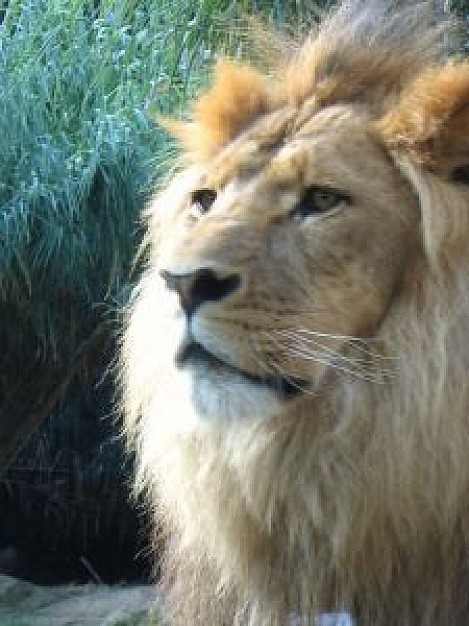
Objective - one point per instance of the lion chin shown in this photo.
(295, 357)
(218, 390)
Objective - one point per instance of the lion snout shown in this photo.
(200, 286)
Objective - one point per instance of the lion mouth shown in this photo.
(193, 353)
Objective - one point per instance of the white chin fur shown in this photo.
(216, 396)
(195, 397)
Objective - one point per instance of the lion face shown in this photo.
(279, 253)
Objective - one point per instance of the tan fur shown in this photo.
(217, 119)
(432, 118)
(353, 494)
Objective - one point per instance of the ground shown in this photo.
(24, 604)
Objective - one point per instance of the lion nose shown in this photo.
(203, 285)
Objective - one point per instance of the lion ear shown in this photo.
(239, 94)
(431, 121)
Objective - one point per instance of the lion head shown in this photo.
(296, 355)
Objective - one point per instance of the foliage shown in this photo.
(76, 158)
(460, 8)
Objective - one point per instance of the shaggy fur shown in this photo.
(351, 494)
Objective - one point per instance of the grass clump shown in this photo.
(79, 147)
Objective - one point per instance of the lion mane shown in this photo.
(296, 356)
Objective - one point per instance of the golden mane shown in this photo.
(354, 495)
(365, 52)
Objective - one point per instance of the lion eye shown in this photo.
(318, 200)
(202, 200)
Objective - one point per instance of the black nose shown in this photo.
(203, 285)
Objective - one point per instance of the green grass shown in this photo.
(79, 148)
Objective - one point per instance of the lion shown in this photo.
(296, 355)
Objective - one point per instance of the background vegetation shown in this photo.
(80, 83)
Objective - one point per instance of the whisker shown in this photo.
(359, 362)
(361, 344)
(271, 367)
(298, 345)
(372, 375)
